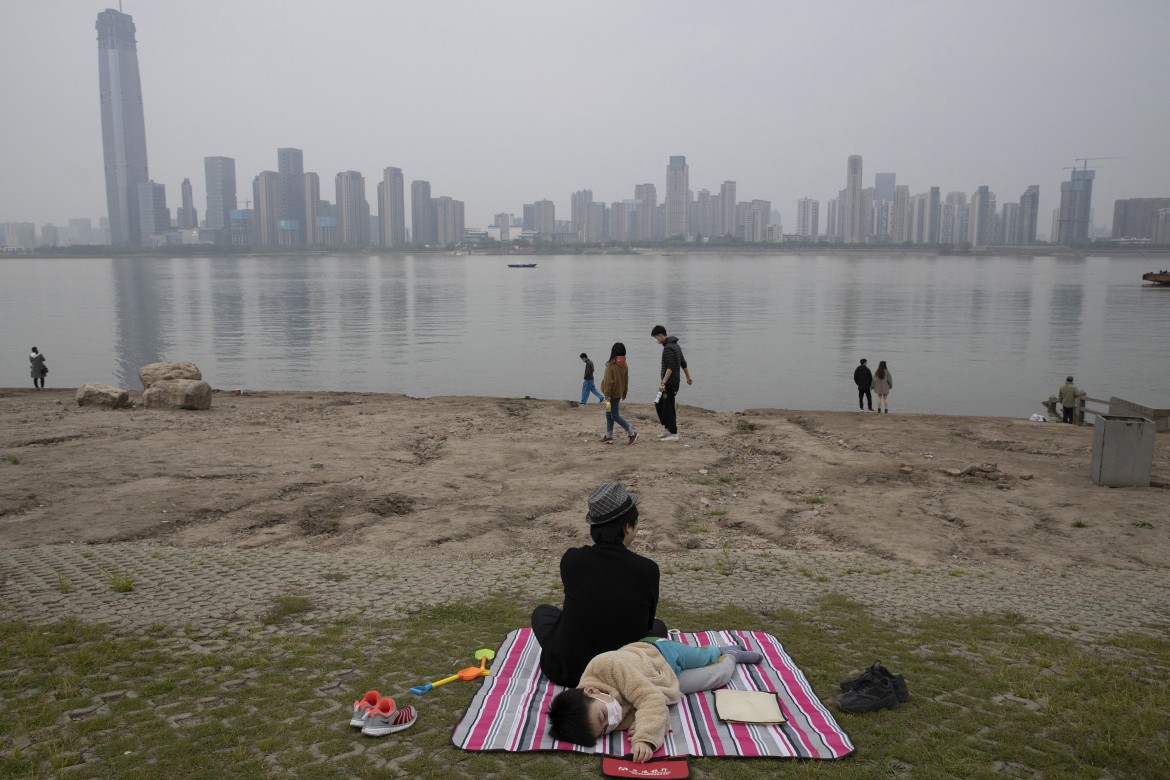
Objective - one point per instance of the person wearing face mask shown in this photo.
(611, 592)
(634, 687)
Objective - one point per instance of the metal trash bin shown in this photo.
(1123, 451)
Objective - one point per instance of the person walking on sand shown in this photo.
(1068, 393)
(614, 385)
(883, 382)
(863, 378)
(37, 368)
(588, 387)
(672, 362)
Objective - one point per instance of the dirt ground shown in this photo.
(445, 478)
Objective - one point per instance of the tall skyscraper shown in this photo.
(353, 210)
(154, 218)
(883, 185)
(219, 176)
(123, 124)
(448, 220)
(933, 216)
(727, 204)
(807, 218)
(188, 218)
(290, 165)
(544, 215)
(312, 208)
(393, 211)
(267, 197)
(981, 217)
(677, 196)
(1029, 214)
(854, 221)
(900, 216)
(1076, 202)
(579, 204)
(647, 197)
(422, 227)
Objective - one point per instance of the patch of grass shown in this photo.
(63, 585)
(285, 607)
(745, 426)
(119, 580)
(1103, 710)
(1079, 524)
(1142, 524)
(726, 480)
(14, 461)
(695, 528)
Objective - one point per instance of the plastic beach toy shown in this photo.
(467, 673)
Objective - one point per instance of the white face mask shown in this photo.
(613, 711)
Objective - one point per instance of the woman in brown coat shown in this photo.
(883, 382)
(614, 386)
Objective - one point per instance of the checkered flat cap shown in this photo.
(609, 502)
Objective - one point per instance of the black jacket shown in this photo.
(672, 358)
(588, 368)
(611, 595)
(863, 377)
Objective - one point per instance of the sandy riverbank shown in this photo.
(455, 478)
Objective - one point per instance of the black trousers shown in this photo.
(545, 617)
(667, 410)
(1068, 412)
(864, 398)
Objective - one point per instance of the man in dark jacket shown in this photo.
(611, 593)
(863, 378)
(588, 386)
(672, 363)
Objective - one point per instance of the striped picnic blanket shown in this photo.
(508, 712)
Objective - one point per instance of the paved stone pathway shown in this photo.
(215, 588)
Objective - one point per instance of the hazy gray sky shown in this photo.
(503, 103)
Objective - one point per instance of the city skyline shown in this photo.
(557, 131)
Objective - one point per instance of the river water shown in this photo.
(962, 335)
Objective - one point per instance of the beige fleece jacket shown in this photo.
(644, 685)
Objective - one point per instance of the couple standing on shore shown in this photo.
(870, 384)
(615, 386)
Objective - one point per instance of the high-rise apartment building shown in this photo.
(883, 185)
(392, 208)
(831, 219)
(981, 217)
(807, 218)
(1076, 202)
(1137, 217)
(290, 164)
(219, 179)
(933, 216)
(188, 218)
(727, 224)
(1011, 224)
(854, 220)
(544, 216)
(123, 124)
(266, 200)
(312, 207)
(154, 218)
(448, 221)
(619, 221)
(677, 196)
(1029, 214)
(422, 226)
(353, 210)
(900, 215)
(579, 204)
(647, 197)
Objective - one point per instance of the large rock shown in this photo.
(174, 369)
(93, 394)
(178, 394)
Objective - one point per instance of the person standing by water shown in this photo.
(37, 368)
(883, 382)
(588, 387)
(672, 362)
(1068, 393)
(863, 378)
(615, 385)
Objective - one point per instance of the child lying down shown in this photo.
(634, 686)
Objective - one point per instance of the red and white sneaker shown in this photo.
(385, 719)
(362, 708)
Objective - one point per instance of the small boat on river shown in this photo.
(522, 265)
(1160, 277)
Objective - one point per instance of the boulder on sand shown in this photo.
(178, 394)
(173, 369)
(94, 394)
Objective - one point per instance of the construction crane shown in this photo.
(1085, 161)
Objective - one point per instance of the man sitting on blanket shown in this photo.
(611, 592)
(633, 688)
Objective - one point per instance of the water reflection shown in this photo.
(142, 316)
